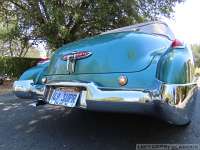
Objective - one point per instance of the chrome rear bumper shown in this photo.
(171, 102)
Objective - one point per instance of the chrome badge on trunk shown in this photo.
(71, 59)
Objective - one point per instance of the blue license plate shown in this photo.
(64, 98)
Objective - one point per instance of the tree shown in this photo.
(13, 40)
(12, 43)
(61, 21)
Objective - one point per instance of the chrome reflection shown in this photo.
(177, 94)
(94, 93)
(27, 89)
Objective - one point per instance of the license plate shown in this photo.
(64, 98)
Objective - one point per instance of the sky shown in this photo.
(186, 22)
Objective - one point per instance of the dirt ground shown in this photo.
(6, 87)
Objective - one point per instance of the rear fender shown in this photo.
(176, 66)
(35, 73)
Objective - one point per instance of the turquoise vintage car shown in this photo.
(136, 69)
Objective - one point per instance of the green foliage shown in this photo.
(15, 66)
(12, 41)
(196, 53)
(61, 21)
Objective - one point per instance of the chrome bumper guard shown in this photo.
(27, 89)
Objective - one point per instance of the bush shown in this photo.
(15, 66)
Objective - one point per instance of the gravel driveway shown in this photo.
(24, 127)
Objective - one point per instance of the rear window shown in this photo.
(158, 28)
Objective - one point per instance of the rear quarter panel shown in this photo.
(176, 66)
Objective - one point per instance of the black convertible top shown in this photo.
(154, 27)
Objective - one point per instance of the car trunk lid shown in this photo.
(109, 53)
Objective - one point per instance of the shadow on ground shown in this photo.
(48, 127)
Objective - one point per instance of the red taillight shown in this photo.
(42, 61)
(176, 44)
